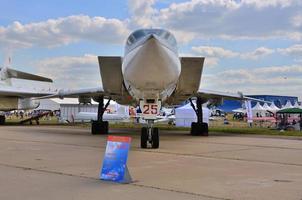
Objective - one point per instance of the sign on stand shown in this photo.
(115, 160)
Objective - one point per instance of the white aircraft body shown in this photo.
(121, 114)
(150, 74)
(13, 98)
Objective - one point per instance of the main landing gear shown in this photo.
(150, 135)
(99, 126)
(199, 128)
(2, 119)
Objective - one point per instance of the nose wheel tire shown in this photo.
(153, 139)
(144, 138)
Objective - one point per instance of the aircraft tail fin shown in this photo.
(7, 73)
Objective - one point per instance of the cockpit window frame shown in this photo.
(136, 35)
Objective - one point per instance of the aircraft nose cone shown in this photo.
(152, 66)
(151, 37)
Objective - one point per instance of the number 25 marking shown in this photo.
(150, 109)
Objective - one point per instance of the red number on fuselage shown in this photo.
(150, 109)
(154, 109)
(146, 109)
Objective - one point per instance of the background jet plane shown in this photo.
(13, 98)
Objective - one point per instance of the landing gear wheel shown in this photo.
(199, 129)
(99, 128)
(194, 128)
(2, 120)
(144, 138)
(155, 138)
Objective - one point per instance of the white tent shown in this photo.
(258, 109)
(266, 107)
(185, 115)
(296, 105)
(287, 105)
(274, 108)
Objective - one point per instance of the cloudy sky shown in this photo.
(253, 46)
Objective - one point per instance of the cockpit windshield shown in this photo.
(139, 34)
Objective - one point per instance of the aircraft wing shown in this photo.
(87, 92)
(216, 95)
(112, 83)
(8, 91)
(12, 73)
(189, 83)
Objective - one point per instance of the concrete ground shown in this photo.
(52, 162)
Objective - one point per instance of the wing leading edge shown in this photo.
(217, 95)
(7, 91)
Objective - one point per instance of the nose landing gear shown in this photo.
(150, 135)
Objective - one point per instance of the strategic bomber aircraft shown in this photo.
(150, 74)
(13, 98)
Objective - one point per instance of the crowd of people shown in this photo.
(21, 115)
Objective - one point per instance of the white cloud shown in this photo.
(229, 19)
(295, 50)
(297, 20)
(257, 53)
(142, 12)
(271, 3)
(183, 36)
(278, 80)
(211, 62)
(71, 71)
(214, 51)
(63, 31)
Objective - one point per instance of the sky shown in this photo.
(252, 46)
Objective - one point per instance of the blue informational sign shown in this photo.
(115, 159)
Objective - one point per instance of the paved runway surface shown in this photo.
(51, 162)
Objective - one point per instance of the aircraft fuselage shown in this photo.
(151, 66)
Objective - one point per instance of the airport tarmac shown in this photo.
(59, 162)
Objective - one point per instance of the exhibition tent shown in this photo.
(296, 105)
(185, 115)
(267, 107)
(274, 108)
(287, 105)
(258, 109)
(290, 118)
(291, 111)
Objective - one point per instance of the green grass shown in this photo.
(255, 131)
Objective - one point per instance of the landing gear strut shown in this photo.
(150, 135)
(199, 127)
(2, 119)
(99, 126)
